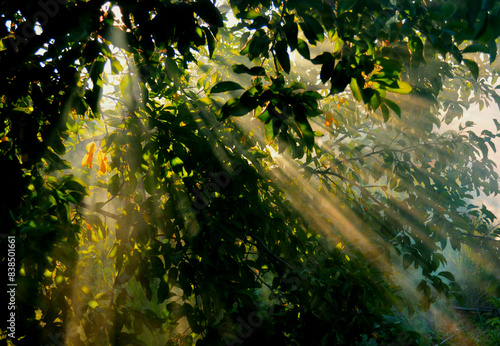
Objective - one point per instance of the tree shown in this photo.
(231, 217)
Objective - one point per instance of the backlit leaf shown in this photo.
(89, 156)
(103, 162)
(356, 92)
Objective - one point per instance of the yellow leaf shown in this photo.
(90, 147)
(85, 160)
(89, 156)
(86, 290)
(329, 119)
(93, 304)
(103, 162)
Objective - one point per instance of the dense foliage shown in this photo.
(261, 178)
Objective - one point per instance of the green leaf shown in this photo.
(271, 129)
(240, 68)
(257, 71)
(303, 49)
(281, 50)
(176, 161)
(323, 58)
(488, 214)
(399, 87)
(385, 112)
(497, 124)
(208, 12)
(126, 86)
(375, 99)
(112, 253)
(475, 48)
(297, 86)
(265, 116)
(235, 107)
(114, 184)
(150, 184)
(164, 292)
(210, 41)
(93, 97)
(492, 47)
(448, 9)
(473, 68)
(147, 289)
(312, 29)
(345, 5)
(116, 67)
(423, 287)
(121, 299)
(326, 71)
(254, 71)
(448, 275)
(395, 108)
(258, 45)
(356, 92)
(291, 30)
(306, 131)
(157, 268)
(248, 15)
(225, 86)
(75, 184)
(339, 80)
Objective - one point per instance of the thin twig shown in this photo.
(442, 342)
(270, 252)
(473, 309)
(100, 211)
(482, 237)
(364, 191)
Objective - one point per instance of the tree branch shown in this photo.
(482, 237)
(364, 191)
(100, 211)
